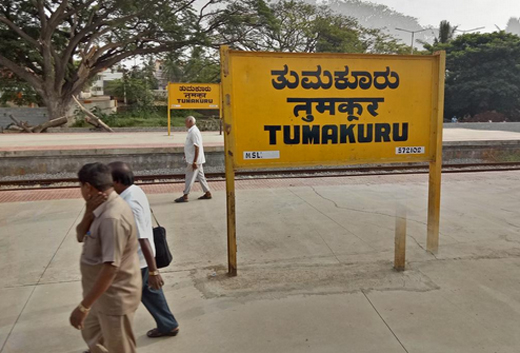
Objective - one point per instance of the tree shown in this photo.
(200, 65)
(12, 89)
(380, 17)
(136, 86)
(296, 26)
(446, 33)
(513, 26)
(41, 40)
(483, 74)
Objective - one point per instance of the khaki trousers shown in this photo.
(194, 174)
(109, 333)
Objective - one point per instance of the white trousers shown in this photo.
(194, 174)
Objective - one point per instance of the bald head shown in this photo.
(122, 175)
(190, 121)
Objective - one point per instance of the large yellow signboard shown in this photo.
(291, 109)
(194, 95)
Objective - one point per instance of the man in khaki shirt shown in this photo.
(111, 276)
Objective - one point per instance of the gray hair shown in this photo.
(192, 119)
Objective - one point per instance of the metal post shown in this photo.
(229, 145)
(434, 187)
(400, 239)
(169, 110)
(413, 42)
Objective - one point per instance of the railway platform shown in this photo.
(314, 268)
(57, 155)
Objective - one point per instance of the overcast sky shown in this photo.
(467, 14)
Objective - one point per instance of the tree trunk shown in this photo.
(57, 106)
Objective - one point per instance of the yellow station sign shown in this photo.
(194, 95)
(290, 109)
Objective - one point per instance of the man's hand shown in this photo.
(155, 282)
(194, 166)
(95, 201)
(77, 319)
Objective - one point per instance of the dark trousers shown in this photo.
(155, 301)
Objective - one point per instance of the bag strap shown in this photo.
(153, 214)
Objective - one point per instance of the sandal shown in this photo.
(154, 333)
(181, 199)
(206, 197)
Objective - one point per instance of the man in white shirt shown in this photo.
(194, 156)
(153, 297)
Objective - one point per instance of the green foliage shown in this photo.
(446, 33)
(136, 87)
(483, 74)
(199, 65)
(296, 26)
(57, 47)
(370, 14)
(18, 92)
(154, 117)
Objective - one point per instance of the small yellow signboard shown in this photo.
(194, 95)
(329, 109)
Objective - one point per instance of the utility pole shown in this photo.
(469, 30)
(413, 35)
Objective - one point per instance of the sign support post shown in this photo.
(434, 187)
(229, 151)
(169, 115)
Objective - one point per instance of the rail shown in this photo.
(275, 174)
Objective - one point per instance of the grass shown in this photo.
(154, 117)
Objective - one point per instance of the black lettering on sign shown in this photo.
(404, 134)
(347, 131)
(382, 132)
(311, 135)
(272, 132)
(337, 134)
(329, 133)
(324, 79)
(287, 139)
(368, 137)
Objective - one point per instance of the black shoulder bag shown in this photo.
(163, 256)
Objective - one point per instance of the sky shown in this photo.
(467, 14)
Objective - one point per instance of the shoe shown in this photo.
(206, 196)
(154, 333)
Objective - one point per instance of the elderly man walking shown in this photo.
(153, 296)
(194, 156)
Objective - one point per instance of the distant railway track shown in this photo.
(65, 183)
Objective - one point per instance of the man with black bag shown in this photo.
(153, 296)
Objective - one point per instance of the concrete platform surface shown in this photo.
(315, 269)
(72, 141)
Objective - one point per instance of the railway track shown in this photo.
(64, 183)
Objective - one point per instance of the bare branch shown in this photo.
(22, 73)
(20, 31)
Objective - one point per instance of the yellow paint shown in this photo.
(256, 105)
(194, 96)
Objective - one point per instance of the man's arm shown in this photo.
(84, 226)
(155, 281)
(194, 164)
(93, 203)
